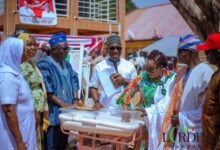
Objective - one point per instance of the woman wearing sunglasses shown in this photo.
(155, 85)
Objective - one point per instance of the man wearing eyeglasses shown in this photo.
(112, 75)
(61, 85)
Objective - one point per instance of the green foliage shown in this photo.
(130, 6)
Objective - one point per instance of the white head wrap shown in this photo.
(11, 52)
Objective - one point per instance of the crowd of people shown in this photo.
(177, 101)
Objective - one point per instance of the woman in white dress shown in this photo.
(17, 119)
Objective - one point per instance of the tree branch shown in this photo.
(200, 15)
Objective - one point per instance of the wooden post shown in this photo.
(74, 16)
(121, 20)
(9, 17)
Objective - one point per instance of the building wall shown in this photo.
(72, 25)
(133, 46)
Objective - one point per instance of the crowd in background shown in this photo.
(139, 59)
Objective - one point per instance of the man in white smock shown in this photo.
(195, 82)
(113, 74)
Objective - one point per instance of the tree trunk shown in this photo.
(201, 15)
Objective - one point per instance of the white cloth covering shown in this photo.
(125, 68)
(46, 14)
(11, 52)
(15, 90)
(25, 11)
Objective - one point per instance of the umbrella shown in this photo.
(168, 46)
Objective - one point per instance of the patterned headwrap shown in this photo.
(24, 37)
(189, 42)
(57, 38)
(113, 39)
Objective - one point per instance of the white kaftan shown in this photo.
(125, 68)
(191, 105)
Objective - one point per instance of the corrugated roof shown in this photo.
(133, 16)
(155, 22)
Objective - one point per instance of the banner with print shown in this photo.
(79, 46)
(75, 43)
(90, 43)
(38, 12)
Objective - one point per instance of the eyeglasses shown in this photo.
(151, 69)
(115, 47)
(65, 48)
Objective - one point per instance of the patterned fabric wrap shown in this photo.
(34, 82)
(146, 86)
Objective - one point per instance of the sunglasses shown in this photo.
(115, 47)
(206, 52)
(151, 69)
(65, 48)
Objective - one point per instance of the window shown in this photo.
(1, 7)
(62, 7)
(102, 10)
